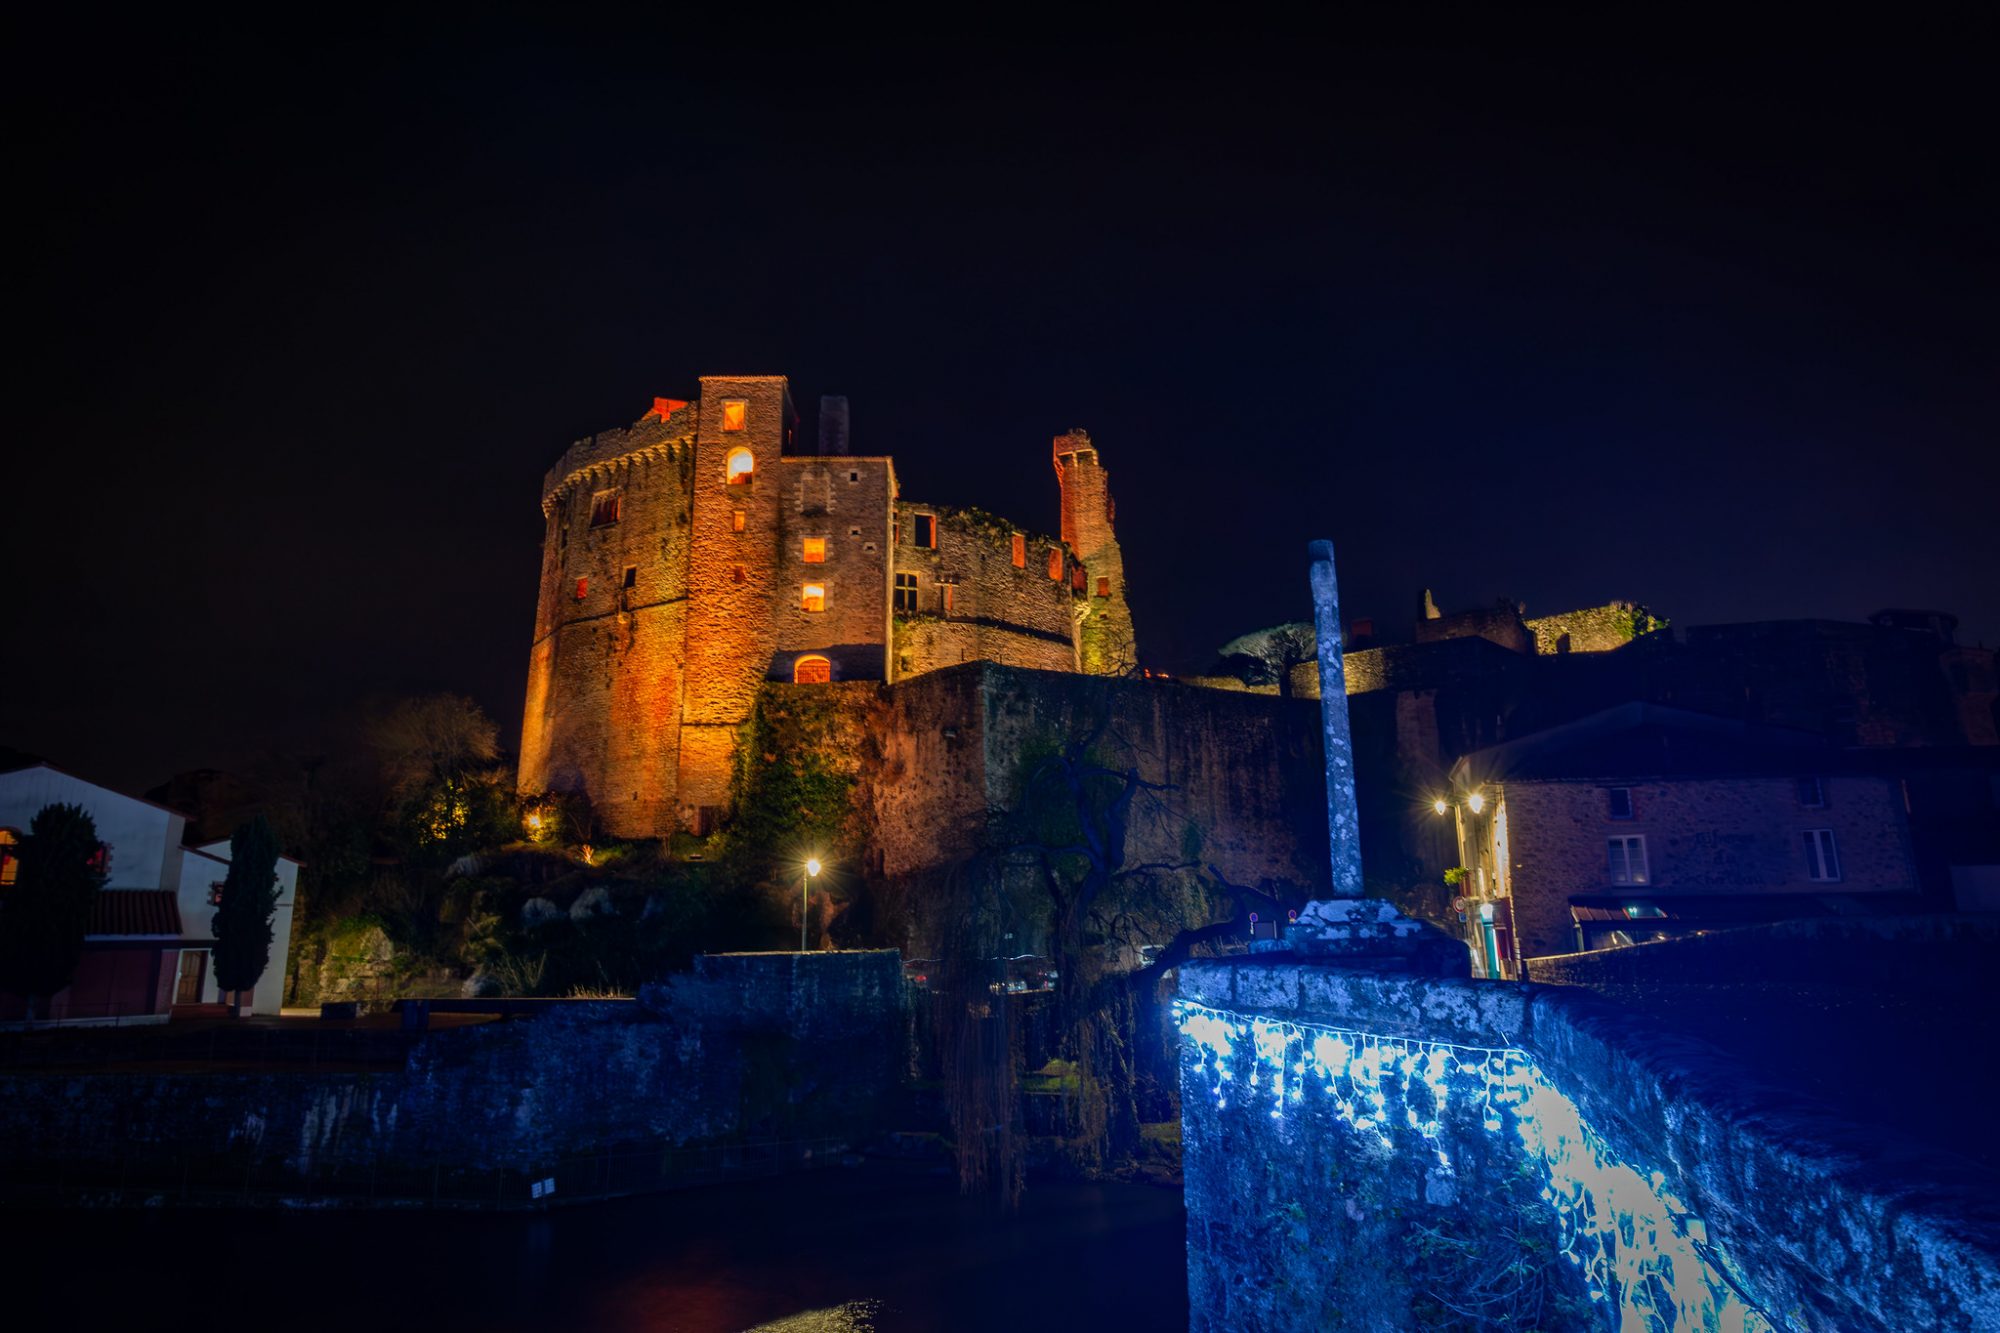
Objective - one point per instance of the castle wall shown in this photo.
(843, 503)
(603, 700)
(998, 611)
(738, 580)
(1590, 629)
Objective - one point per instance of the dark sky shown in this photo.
(307, 320)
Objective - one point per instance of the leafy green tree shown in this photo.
(242, 923)
(44, 917)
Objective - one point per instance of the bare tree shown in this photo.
(1267, 656)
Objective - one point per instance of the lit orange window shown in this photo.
(740, 467)
(815, 551)
(736, 521)
(946, 592)
(604, 508)
(812, 671)
(733, 414)
(10, 864)
(582, 589)
(815, 597)
(1020, 551)
(1055, 563)
(1103, 587)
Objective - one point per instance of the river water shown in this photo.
(895, 1245)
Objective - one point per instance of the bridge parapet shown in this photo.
(1387, 1150)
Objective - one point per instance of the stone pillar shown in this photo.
(1368, 932)
(1343, 821)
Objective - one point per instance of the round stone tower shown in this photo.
(605, 673)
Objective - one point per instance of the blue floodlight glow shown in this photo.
(1636, 1244)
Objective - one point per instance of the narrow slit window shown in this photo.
(1055, 564)
(1822, 861)
(1020, 551)
(582, 589)
(736, 521)
(739, 574)
(946, 594)
(814, 597)
(604, 508)
(814, 551)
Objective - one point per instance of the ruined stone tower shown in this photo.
(1105, 645)
(693, 560)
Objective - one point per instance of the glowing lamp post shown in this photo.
(806, 876)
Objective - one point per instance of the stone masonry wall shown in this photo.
(995, 610)
(843, 503)
(1303, 1215)
(748, 1045)
(1590, 629)
(1724, 835)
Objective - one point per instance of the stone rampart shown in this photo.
(1374, 1151)
(745, 1046)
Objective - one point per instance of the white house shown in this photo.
(148, 947)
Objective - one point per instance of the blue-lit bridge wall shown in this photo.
(1380, 1151)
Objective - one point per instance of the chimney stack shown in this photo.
(833, 424)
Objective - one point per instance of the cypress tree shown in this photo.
(242, 923)
(44, 918)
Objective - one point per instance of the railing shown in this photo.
(224, 1181)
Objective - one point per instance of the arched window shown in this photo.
(10, 859)
(812, 671)
(741, 466)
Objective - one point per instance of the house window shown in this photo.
(812, 671)
(1628, 861)
(631, 576)
(1812, 793)
(740, 466)
(906, 593)
(604, 508)
(1055, 564)
(1621, 802)
(926, 531)
(10, 861)
(945, 592)
(1822, 861)
(814, 597)
(1020, 551)
(1076, 580)
(735, 411)
(1103, 586)
(739, 574)
(736, 521)
(582, 589)
(814, 551)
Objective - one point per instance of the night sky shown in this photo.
(307, 321)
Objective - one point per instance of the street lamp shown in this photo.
(811, 870)
(1440, 805)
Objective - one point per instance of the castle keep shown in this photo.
(699, 553)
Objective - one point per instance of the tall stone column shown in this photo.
(1368, 932)
(1343, 820)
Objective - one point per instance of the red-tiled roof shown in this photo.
(135, 912)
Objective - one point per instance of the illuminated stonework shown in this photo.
(1637, 1246)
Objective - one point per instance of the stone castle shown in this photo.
(699, 554)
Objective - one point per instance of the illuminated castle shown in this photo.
(695, 556)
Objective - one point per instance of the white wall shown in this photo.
(210, 863)
(144, 838)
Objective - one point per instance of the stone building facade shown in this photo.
(698, 554)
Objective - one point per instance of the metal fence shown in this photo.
(249, 1181)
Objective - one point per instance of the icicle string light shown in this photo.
(1638, 1246)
